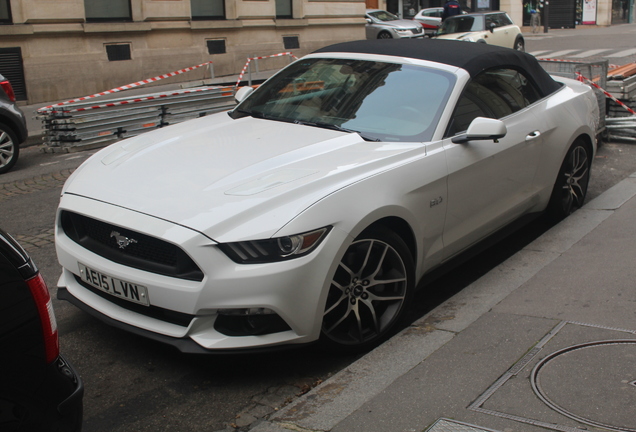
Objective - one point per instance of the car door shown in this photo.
(490, 183)
(503, 33)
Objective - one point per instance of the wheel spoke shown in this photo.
(375, 297)
(336, 303)
(378, 268)
(376, 323)
(356, 312)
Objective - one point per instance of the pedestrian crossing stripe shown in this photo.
(573, 53)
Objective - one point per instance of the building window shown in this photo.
(118, 52)
(12, 68)
(216, 46)
(208, 9)
(283, 8)
(5, 12)
(107, 10)
(291, 42)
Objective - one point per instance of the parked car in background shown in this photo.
(493, 28)
(39, 389)
(13, 130)
(311, 211)
(384, 25)
(430, 18)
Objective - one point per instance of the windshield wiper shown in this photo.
(337, 128)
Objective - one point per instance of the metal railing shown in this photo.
(95, 124)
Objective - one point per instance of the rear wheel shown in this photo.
(570, 188)
(9, 148)
(520, 45)
(369, 293)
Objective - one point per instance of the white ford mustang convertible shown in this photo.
(311, 211)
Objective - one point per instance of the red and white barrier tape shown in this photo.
(126, 87)
(588, 81)
(249, 59)
(571, 61)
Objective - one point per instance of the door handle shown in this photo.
(533, 135)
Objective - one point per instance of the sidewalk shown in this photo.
(545, 341)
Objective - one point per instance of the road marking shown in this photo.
(562, 53)
(589, 53)
(624, 53)
(538, 53)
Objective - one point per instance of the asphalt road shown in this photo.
(137, 385)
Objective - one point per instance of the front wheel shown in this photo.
(385, 35)
(9, 148)
(570, 188)
(369, 292)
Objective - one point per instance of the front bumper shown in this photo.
(295, 290)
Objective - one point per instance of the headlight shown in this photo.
(468, 39)
(275, 249)
(401, 31)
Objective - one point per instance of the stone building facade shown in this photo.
(69, 48)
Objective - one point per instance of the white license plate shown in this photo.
(116, 287)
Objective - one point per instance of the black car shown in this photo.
(13, 130)
(39, 389)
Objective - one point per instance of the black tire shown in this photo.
(9, 148)
(385, 35)
(520, 44)
(571, 184)
(370, 292)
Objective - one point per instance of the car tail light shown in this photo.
(42, 298)
(8, 89)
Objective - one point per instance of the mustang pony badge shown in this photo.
(122, 241)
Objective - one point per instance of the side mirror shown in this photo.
(481, 129)
(369, 21)
(491, 27)
(242, 93)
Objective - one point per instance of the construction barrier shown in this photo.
(83, 123)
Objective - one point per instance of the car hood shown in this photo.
(218, 175)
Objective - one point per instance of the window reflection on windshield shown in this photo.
(462, 24)
(382, 101)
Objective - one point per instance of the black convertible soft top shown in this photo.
(470, 56)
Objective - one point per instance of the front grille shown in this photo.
(178, 318)
(141, 251)
(417, 30)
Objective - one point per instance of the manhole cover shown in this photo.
(591, 383)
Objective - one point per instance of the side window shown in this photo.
(504, 20)
(490, 20)
(494, 93)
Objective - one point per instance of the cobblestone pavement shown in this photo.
(34, 184)
(12, 189)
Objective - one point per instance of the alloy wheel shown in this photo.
(367, 293)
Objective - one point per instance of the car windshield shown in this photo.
(383, 16)
(462, 24)
(380, 101)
